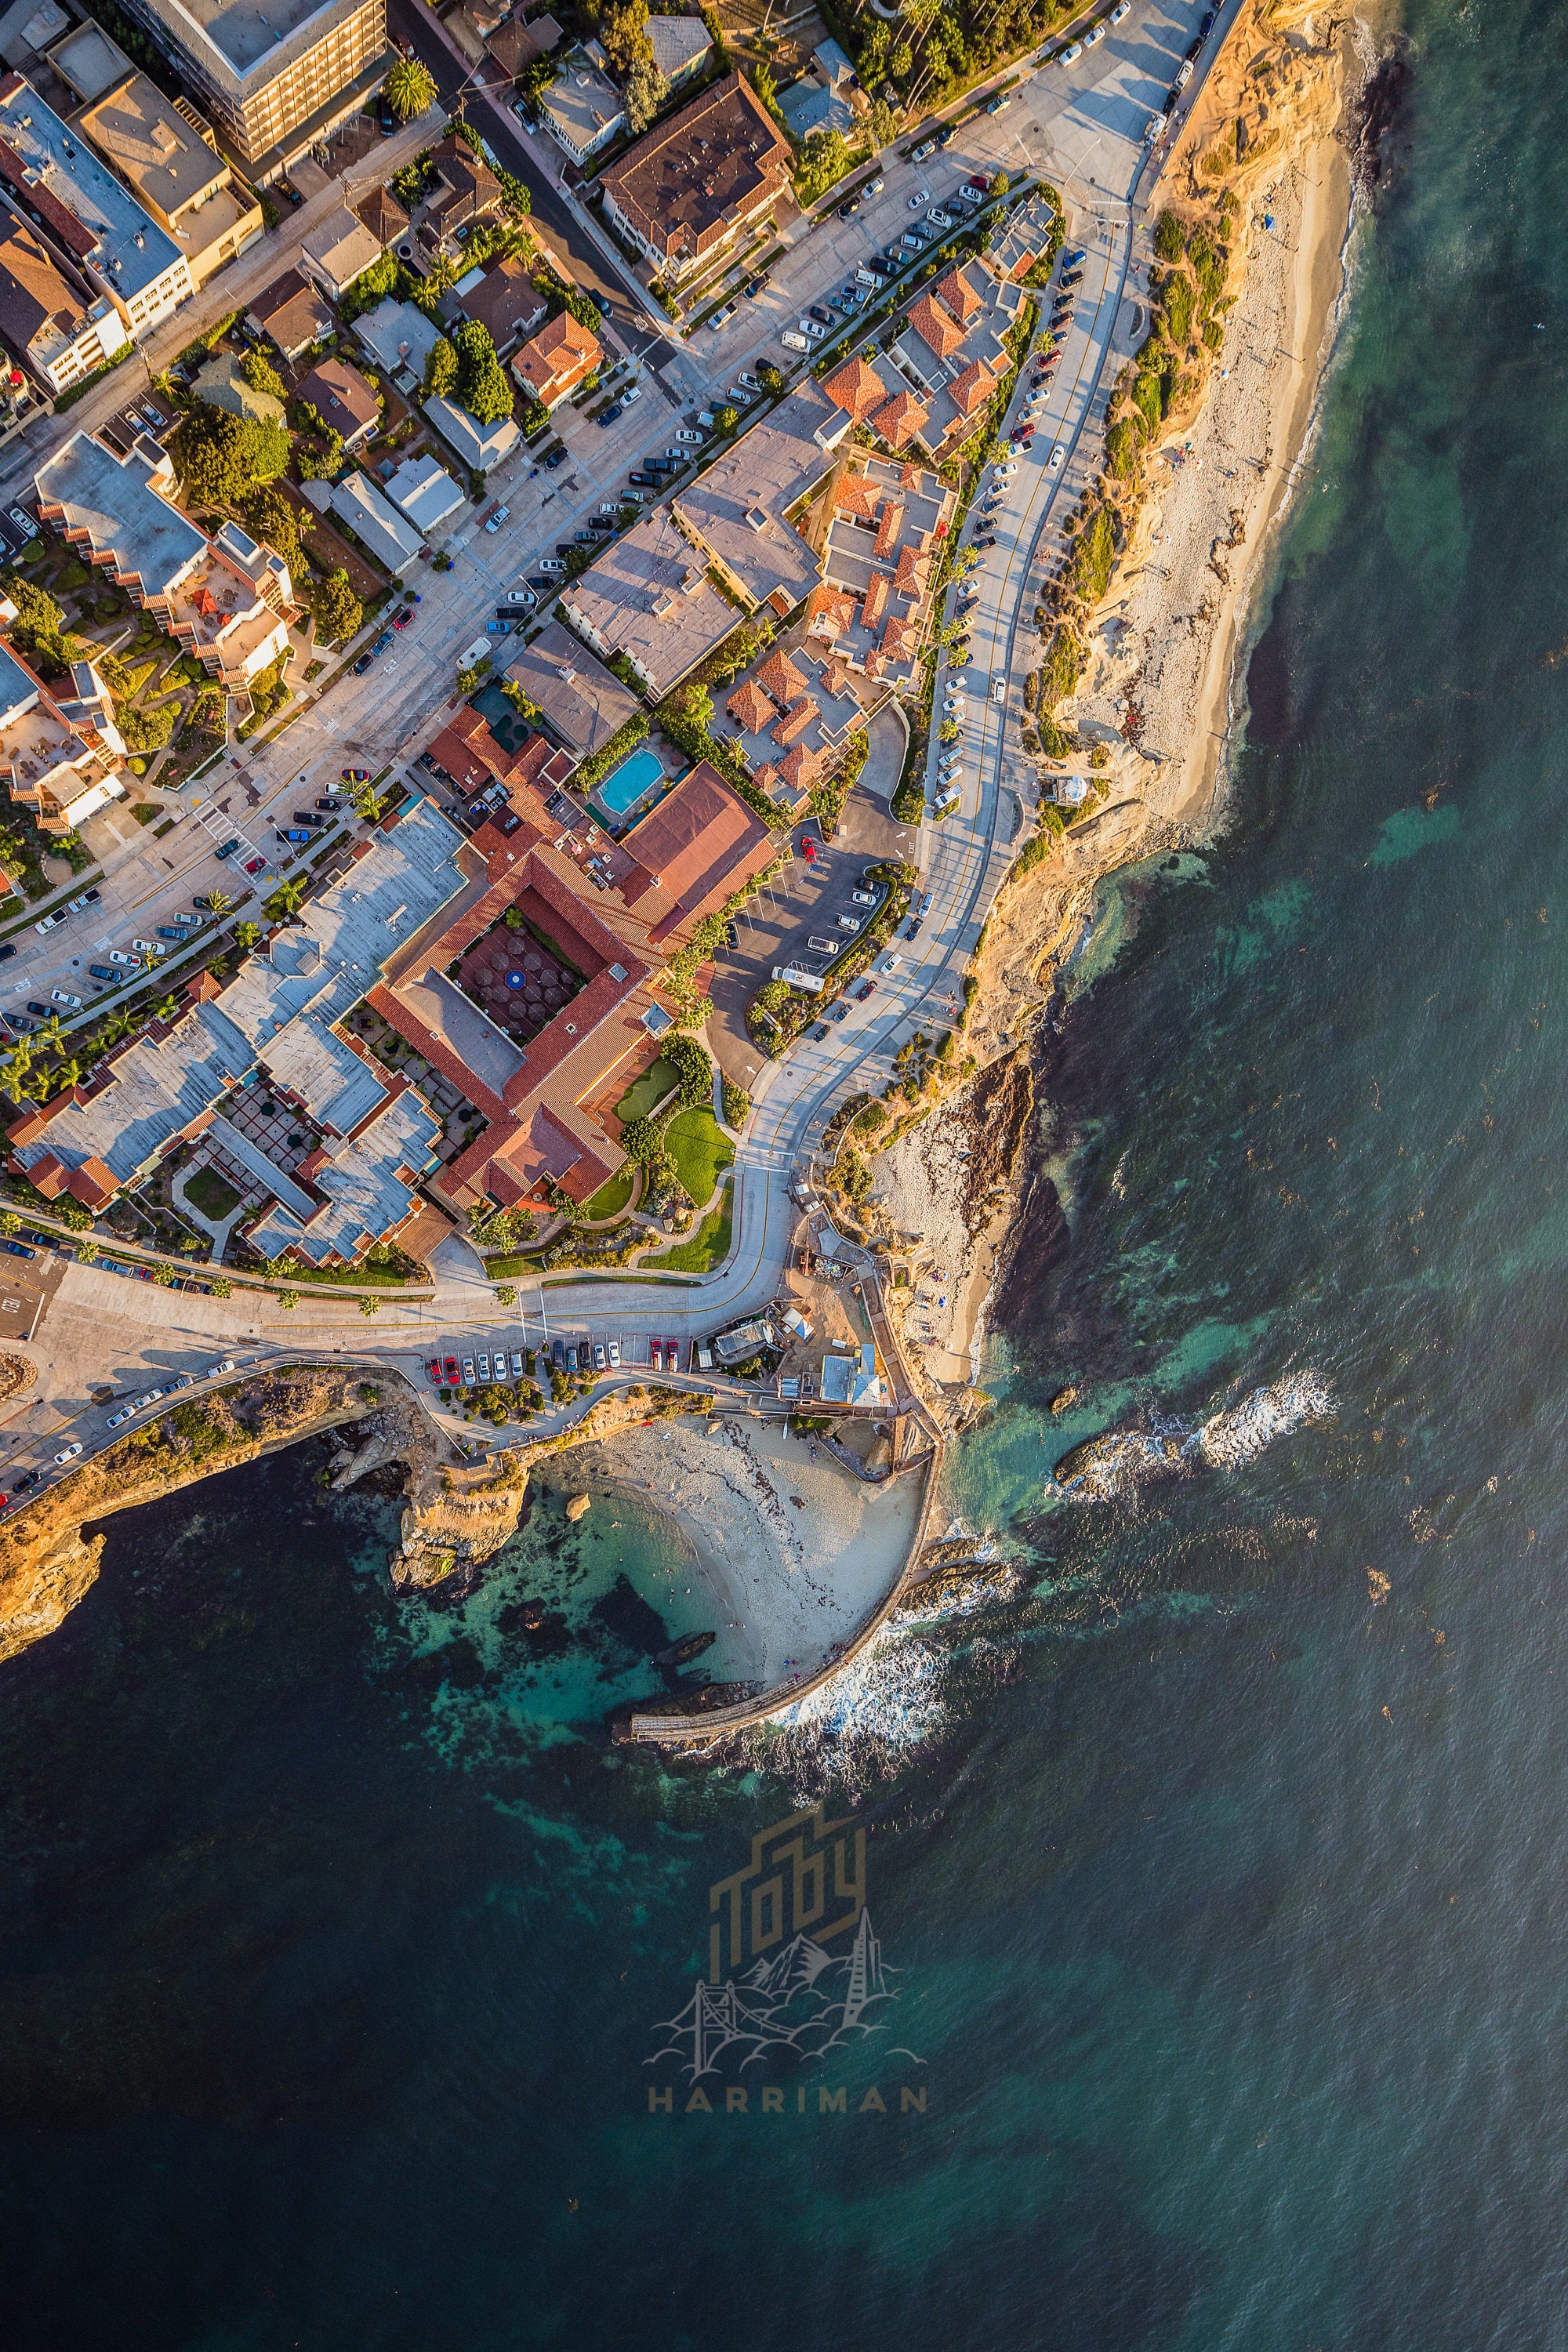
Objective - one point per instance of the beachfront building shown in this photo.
(275, 81)
(699, 183)
(738, 511)
(84, 218)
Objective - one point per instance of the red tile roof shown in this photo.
(855, 387)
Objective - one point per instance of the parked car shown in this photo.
(27, 1482)
(1096, 33)
(402, 620)
(256, 865)
(850, 205)
(812, 332)
(689, 438)
(50, 922)
(63, 996)
(550, 563)
(128, 962)
(862, 898)
(362, 664)
(329, 800)
(7, 950)
(867, 988)
(610, 414)
(721, 319)
(1058, 454)
(88, 898)
(484, 1366)
(643, 482)
(1119, 10)
(1184, 73)
(499, 516)
(913, 930)
(68, 1454)
(453, 1371)
(938, 218)
(468, 1371)
(1072, 54)
(103, 971)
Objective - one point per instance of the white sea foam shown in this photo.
(1240, 1433)
(1122, 1461)
(865, 1721)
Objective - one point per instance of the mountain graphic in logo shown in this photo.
(801, 1998)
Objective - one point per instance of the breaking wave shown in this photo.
(1108, 1468)
(865, 1721)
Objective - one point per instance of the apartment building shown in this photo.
(698, 183)
(52, 327)
(274, 80)
(60, 755)
(226, 599)
(182, 181)
(82, 215)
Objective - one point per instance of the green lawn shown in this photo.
(612, 1197)
(701, 1251)
(643, 1093)
(213, 1196)
(700, 1149)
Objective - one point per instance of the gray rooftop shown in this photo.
(241, 41)
(131, 249)
(277, 1013)
(581, 701)
(738, 505)
(365, 1194)
(113, 498)
(19, 690)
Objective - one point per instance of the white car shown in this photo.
(63, 996)
(216, 1371)
(50, 922)
(742, 399)
(1184, 73)
(889, 963)
(693, 439)
(862, 898)
(1119, 12)
(68, 1454)
(920, 199)
(1095, 33)
(615, 1355)
(812, 332)
(1058, 454)
(147, 948)
(721, 319)
(124, 1414)
(1072, 54)
(517, 1363)
(751, 383)
(118, 955)
(938, 218)
(634, 390)
(998, 690)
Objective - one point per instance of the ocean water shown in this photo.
(1218, 1874)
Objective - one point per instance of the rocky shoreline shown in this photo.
(1156, 699)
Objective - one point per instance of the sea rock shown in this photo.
(577, 1506)
(1063, 1399)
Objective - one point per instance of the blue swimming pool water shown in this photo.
(626, 784)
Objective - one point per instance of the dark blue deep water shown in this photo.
(1224, 1871)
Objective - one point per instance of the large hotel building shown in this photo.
(274, 80)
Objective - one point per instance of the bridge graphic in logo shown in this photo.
(772, 1982)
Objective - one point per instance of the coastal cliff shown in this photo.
(1141, 624)
(458, 1514)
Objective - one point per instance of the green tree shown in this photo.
(410, 87)
(883, 123)
(624, 36)
(38, 629)
(770, 377)
(644, 92)
(1169, 242)
(821, 163)
(370, 1306)
(286, 899)
(9, 1221)
(338, 611)
(261, 375)
(725, 420)
(269, 517)
(903, 58)
(693, 1066)
(482, 386)
(223, 1287)
(767, 89)
(220, 458)
(440, 371)
(641, 1141)
(247, 934)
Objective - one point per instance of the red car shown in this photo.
(255, 865)
(453, 1371)
(867, 989)
(434, 1369)
(672, 1355)
(401, 620)
(656, 1354)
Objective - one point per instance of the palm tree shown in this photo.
(167, 1011)
(51, 1037)
(285, 899)
(13, 1071)
(66, 1073)
(410, 87)
(218, 902)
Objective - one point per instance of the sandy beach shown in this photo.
(796, 1551)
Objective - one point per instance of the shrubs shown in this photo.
(1061, 668)
(1169, 242)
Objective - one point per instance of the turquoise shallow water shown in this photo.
(1226, 1900)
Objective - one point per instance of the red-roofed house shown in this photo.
(902, 417)
(935, 326)
(749, 707)
(856, 388)
(556, 360)
(956, 294)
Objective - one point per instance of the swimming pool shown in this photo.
(628, 782)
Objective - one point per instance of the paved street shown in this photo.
(102, 1330)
